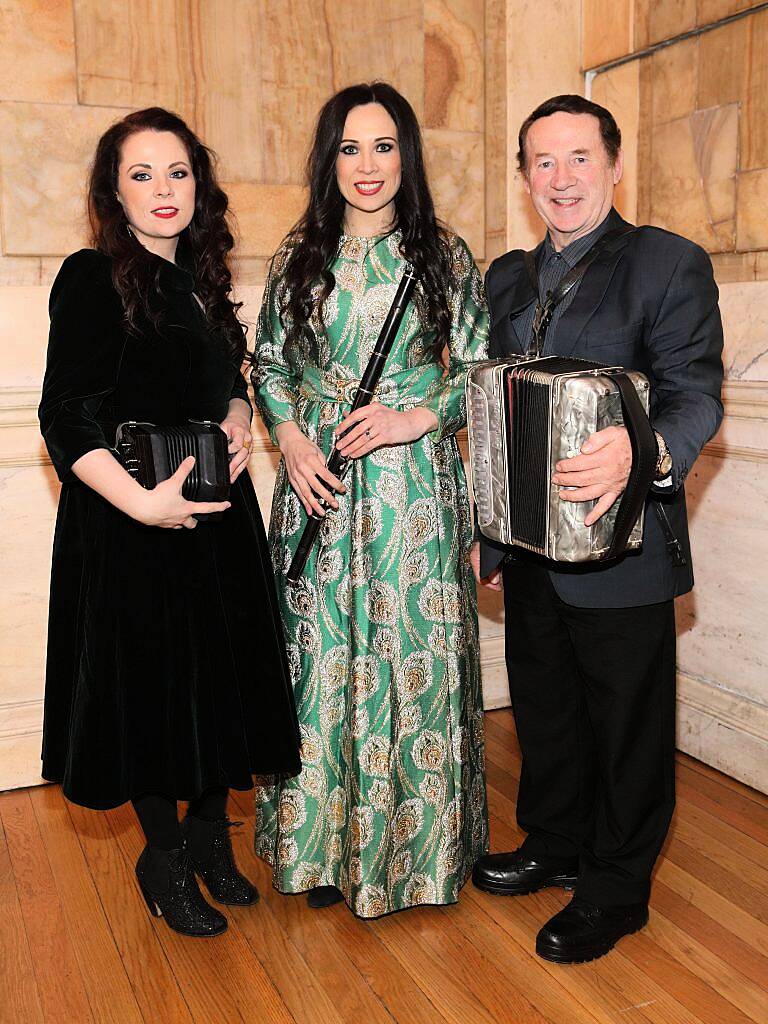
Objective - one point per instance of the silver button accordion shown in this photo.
(526, 414)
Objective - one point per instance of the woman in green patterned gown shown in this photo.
(389, 810)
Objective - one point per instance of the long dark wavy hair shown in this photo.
(314, 241)
(204, 245)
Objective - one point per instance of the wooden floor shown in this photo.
(77, 943)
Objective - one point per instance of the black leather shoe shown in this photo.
(582, 931)
(210, 849)
(515, 874)
(168, 884)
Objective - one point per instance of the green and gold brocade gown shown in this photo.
(382, 630)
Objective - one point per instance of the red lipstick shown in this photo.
(369, 188)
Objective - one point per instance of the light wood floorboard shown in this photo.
(78, 945)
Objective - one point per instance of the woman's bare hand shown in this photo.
(305, 464)
(238, 431)
(165, 507)
(375, 425)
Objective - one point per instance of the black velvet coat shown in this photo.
(166, 664)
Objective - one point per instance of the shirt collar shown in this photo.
(572, 253)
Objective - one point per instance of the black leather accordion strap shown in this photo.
(643, 471)
(674, 547)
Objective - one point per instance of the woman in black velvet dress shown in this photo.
(166, 677)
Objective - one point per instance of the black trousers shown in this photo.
(593, 694)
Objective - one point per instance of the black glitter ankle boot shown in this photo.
(168, 884)
(210, 848)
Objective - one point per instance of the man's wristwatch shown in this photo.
(664, 458)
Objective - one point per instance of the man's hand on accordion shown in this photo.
(599, 472)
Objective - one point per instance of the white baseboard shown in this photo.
(724, 729)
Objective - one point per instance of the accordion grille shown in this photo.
(180, 444)
(528, 409)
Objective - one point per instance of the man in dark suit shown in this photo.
(591, 648)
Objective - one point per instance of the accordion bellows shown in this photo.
(523, 416)
(152, 454)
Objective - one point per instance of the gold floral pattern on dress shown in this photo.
(382, 630)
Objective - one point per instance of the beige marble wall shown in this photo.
(250, 76)
(543, 59)
(698, 111)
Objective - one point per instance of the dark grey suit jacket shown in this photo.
(649, 305)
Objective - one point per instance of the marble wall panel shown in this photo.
(640, 26)
(28, 496)
(723, 65)
(532, 77)
(250, 296)
(136, 53)
(713, 10)
(754, 125)
(693, 188)
(45, 151)
(20, 271)
(497, 139)
(456, 168)
(734, 266)
(688, 180)
(371, 41)
(607, 31)
(619, 91)
(454, 33)
(24, 330)
(721, 624)
(297, 78)
(674, 71)
(668, 18)
(249, 271)
(752, 223)
(207, 68)
(38, 63)
(264, 214)
(744, 308)
(715, 142)
(645, 141)
(228, 112)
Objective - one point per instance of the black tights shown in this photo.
(159, 818)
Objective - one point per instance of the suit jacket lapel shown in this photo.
(589, 294)
(521, 295)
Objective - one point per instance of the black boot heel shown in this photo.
(167, 882)
(154, 910)
(324, 896)
(210, 848)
